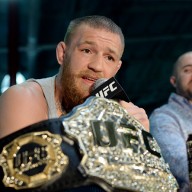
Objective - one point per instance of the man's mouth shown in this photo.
(90, 80)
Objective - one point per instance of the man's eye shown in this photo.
(187, 70)
(86, 50)
(110, 58)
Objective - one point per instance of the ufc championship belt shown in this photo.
(98, 143)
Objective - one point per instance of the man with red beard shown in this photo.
(111, 152)
(92, 49)
(172, 123)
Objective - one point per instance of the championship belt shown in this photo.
(97, 143)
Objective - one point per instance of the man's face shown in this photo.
(93, 54)
(184, 77)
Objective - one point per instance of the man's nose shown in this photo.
(96, 63)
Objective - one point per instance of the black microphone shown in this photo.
(110, 89)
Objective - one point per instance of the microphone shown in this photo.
(110, 89)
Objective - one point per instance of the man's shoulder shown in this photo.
(24, 91)
(21, 105)
(164, 113)
(167, 108)
(163, 108)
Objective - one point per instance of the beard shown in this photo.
(71, 94)
(185, 92)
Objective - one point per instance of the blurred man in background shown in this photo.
(172, 123)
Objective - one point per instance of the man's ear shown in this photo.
(173, 81)
(119, 65)
(60, 52)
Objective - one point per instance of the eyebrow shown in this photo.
(188, 65)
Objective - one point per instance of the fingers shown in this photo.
(137, 112)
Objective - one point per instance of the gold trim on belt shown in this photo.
(32, 160)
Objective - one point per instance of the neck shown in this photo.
(60, 110)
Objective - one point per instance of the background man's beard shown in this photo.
(187, 93)
(71, 96)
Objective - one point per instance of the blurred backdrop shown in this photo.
(156, 33)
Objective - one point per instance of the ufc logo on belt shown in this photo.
(105, 91)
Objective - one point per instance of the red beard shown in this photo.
(71, 95)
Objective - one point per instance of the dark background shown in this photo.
(156, 33)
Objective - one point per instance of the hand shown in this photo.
(137, 112)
